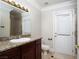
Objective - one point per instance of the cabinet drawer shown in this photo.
(27, 47)
(38, 41)
(10, 53)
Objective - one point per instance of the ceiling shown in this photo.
(44, 3)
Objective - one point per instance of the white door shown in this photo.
(63, 31)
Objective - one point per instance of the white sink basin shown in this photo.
(20, 40)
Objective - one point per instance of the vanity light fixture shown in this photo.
(13, 3)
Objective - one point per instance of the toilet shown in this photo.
(45, 49)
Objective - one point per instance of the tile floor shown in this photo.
(56, 56)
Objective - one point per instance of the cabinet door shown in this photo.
(28, 51)
(10, 54)
(14, 53)
(38, 49)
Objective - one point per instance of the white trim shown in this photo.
(78, 27)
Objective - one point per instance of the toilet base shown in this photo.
(45, 52)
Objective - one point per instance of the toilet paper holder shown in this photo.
(49, 38)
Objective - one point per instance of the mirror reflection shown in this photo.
(14, 23)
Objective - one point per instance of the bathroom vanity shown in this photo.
(26, 50)
(14, 24)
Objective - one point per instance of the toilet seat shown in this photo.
(45, 47)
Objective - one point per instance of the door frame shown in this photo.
(74, 29)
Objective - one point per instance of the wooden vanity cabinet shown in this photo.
(30, 50)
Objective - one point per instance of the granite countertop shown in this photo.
(5, 45)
